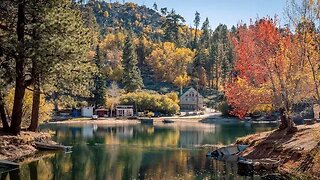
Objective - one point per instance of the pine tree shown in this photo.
(171, 27)
(132, 77)
(196, 24)
(201, 58)
(99, 84)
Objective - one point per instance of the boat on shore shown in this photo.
(146, 121)
(227, 151)
(6, 166)
(168, 121)
(51, 147)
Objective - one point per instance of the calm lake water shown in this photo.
(139, 152)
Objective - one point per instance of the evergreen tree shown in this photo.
(141, 52)
(196, 24)
(132, 77)
(47, 37)
(155, 6)
(206, 35)
(201, 58)
(171, 27)
(221, 56)
(99, 83)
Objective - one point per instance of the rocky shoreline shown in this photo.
(17, 147)
(298, 153)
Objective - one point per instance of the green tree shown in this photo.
(99, 82)
(196, 24)
(221, 56)
(132, 77)
(47, 36)
(155, 6)
(61, 18)
(202, 54)
(171, 27)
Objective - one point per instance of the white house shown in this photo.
(124, 111)
(191, 100)
(87, 111)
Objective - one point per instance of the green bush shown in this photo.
(224, 108)
(145, 101)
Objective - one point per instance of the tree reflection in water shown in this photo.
(136, 152)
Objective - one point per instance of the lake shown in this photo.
(139, 151)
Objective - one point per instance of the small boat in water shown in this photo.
(227, 151)
(167, 121)
(146, 121)
(52, 147)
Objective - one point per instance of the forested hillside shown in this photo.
(77, 53)
(170, 54)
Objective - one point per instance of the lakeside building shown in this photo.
(124, 111)
(191, 100)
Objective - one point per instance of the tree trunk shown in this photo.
(35, 105)
(5, 124)
(19, 85)
(33, 170)
(286, 122)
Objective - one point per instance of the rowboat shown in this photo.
(167, 121)
(51, 147)
(146, 121)
(227, 151)
(6, 166)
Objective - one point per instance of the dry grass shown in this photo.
(14, 147)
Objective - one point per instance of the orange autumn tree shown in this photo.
(270, 74)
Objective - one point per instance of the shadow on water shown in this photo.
(138, 152)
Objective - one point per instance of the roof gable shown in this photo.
(190, 91)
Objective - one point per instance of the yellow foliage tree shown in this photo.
(45, 107)
(112, 98)
(170, 62)
(182, 81)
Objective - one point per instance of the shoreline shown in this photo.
(102, 121)
(298, 153)
(14, 148)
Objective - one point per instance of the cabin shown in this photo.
(87, 111)
(191, 100)
(124, 111)
(101, 112)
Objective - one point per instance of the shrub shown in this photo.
(45, 107)
(224, 108)
(154, 102)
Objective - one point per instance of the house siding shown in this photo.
(189, 100)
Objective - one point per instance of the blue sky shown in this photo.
(228, 12)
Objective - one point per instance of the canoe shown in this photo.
(51, 147)
(146, 121)
(6, 166)
(167, 121)
(227, 151)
